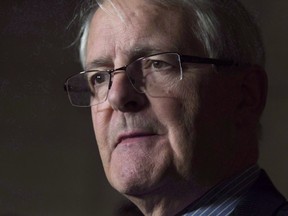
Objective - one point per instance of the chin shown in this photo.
(134, 184)
(130, 188)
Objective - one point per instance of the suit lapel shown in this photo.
(262, 199)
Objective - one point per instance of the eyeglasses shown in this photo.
(153, 75)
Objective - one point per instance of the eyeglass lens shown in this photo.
(154, 75)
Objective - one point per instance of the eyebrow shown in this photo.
(99, 62)
(137, 52)
(144, 51)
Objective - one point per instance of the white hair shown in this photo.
(224, 27)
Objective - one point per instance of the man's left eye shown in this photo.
(160, 64)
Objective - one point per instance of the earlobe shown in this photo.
(253, 94)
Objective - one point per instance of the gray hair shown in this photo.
(224, 28)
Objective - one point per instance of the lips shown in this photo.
(133, 136)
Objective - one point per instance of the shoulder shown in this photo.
(262, 199)
(283, 210)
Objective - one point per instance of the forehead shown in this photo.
(126, 26)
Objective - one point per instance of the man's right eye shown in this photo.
(99, 78)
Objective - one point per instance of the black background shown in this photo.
(49, 162)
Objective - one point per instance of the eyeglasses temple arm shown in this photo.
(200, 60)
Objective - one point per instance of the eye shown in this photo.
(99, 78)
(156, 65)
(159, 64)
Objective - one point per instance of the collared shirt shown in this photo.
(222, 199)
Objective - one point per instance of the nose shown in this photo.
(123, 97)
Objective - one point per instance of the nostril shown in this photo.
(130, 106)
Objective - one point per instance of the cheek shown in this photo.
(178, 115)
(101, 123)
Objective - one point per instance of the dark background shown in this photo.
(49, 162)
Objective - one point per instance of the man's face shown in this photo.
(149, 143)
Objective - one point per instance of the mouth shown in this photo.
(134, 137)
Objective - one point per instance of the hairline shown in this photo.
(205, 31)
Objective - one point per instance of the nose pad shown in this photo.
(138, 83)
(132, 81)
(110, 83)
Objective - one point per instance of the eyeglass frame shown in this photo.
(182, 58)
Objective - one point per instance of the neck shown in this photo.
(169, 200)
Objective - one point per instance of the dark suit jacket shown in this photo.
(263, 199)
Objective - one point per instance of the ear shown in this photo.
(254, 87)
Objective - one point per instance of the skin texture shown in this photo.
(165, 152)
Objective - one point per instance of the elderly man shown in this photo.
(176, 90)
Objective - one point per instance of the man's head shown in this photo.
(209, 21)
(160, 140)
